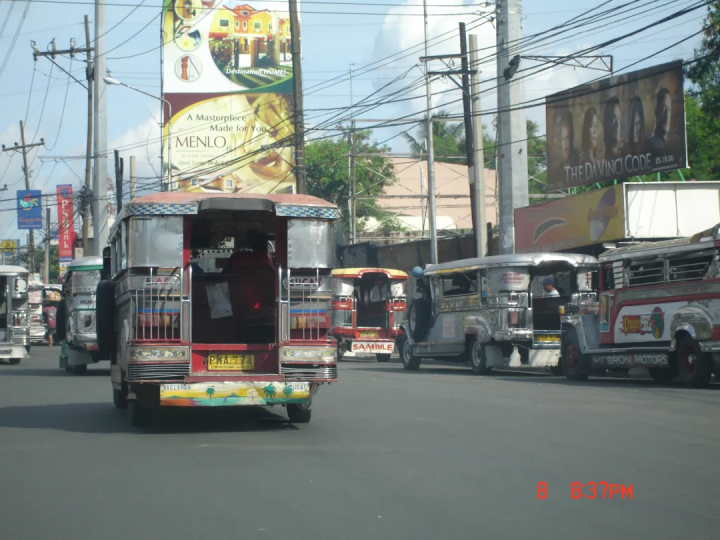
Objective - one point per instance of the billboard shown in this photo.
(228, 80)
(622, 126)
(66, 222)
(580, 220)
(29, 209)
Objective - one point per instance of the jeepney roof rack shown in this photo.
(661, 247)
(518, 259)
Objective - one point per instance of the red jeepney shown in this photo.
(368, 307)
(219, 299)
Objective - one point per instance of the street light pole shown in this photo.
(112, 81)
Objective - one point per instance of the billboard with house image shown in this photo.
(228, 81)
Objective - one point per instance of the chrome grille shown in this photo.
(310, 372)
(147, 371)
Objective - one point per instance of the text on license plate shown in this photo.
(548, 338)
(231, 362)
(367, 334)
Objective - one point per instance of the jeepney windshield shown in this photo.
(398, 288)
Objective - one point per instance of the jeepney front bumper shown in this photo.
(514, 334)
(229, 393)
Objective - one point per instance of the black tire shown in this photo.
(478, 358)
(418, 318)
(694, 366)
(138, 415)
(661, 375)
(576, 365)
(382, 357)
(60, 322)
(299, 413)
(120, 398)
(14, 361)
(105, 316)
(408, 358)
(79, 369)
(557, 370)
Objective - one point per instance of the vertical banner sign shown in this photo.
(66, 222)
(628, 125)
(29, 208)
(229, 82)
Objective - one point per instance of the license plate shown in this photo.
(5, 352)
(548, 338)
(231, 362)
(378, 347)
(368, 334)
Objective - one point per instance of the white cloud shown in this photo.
(143, 142)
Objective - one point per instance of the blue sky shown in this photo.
(335, 36)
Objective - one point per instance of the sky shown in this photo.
(381, 43)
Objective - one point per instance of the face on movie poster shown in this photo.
(628, 125)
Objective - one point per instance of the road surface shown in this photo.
(435, 454)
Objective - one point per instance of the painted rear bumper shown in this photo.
(219, 394)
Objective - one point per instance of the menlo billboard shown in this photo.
(228, 78)
(622, 126)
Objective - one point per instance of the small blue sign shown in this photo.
(29, 209)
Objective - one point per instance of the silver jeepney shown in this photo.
(14, 322)
(493, 311)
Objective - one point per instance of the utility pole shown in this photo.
(133, 179)
(89, 143)
(119, 173)
(47, 245)
(512, 131)
(26, 170)
(469, 138)
(430, 150)
(99, 191)
(353, 186)
(477, 186)
(297, 86)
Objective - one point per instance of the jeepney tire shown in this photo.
(698, 374)
(382, 357)
(409, 360)
(299, 413)
(105, 315)
(418, 319)
(478, 358)
(138, 415)
(120, 397)
(14, 361)
(79, 369)
(576, 365)
(661, 375)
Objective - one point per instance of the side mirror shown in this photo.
(107, 267)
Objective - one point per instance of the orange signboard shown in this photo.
(580, 220)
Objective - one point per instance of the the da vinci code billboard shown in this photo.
(628, 125)
(228, 79)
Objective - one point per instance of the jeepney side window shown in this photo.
(460, 284)
(608, 278)
(123, 246)
(643, 273)
(155, 241)
(691, 267)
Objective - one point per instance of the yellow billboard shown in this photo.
(580, 220)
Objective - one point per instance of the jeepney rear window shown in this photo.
(86, 280)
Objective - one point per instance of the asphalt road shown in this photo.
(437, 454)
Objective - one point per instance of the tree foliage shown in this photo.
(327, 168)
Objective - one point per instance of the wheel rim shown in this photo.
(689, 359)
(573, 356)
(475, 356)
(407, 351)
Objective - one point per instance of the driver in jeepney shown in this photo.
(548, 284)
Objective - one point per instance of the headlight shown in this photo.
(309, 354)
(158, 354)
